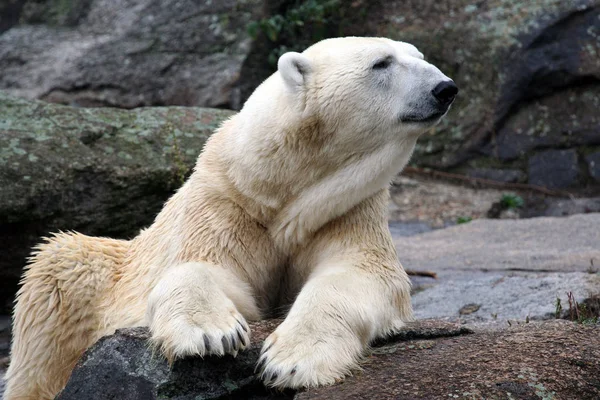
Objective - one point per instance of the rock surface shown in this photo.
(514, 269)
(536, 244)
(593, 161)
(528, 72)
(5, 327)
(529, 76)
(127, 54)
(562, 163)
(429, 360)
(99, 171)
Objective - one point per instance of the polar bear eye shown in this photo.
(382, 64)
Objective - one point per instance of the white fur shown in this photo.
(293, 68)
(287, 204)
(188, 310)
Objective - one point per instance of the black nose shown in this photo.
(445, 92)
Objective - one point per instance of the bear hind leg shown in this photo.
(55, 317)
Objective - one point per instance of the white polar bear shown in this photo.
(287, 204)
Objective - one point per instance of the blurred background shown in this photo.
(522, 139)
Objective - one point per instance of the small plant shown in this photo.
(581, 313)
(288, 30)
(511, 201)
(463, 220)
(557, 308)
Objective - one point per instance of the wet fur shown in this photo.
(287, 204)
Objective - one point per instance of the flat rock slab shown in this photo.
(504, 269)
(550, 360)
(499, 295)
(429, 359)
(536, 244)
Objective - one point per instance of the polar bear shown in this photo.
(286, 205)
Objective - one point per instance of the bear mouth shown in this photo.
(420, 119)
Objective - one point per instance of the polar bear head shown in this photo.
(345, 114)
(366, 85)
(355, 87)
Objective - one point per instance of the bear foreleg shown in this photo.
(200, 309)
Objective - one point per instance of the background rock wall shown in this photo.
(529, 71)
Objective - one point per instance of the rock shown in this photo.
(124, 54)
(469, 308)
(564, 207)
(123, 366)
(2, 383)
(99, 171)
(501, 175)
(529, 361)
(429, 359)
(5, 326)
(528, 75)
(563, 119)
(514, 269)
(503, 295)
(554, 168)
(429, 203)
(408, 228)
(527, 71)
(537, 244)
(593, 161)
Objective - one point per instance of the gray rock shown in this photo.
(124, 367)
(554, 168)
(5, 329)
(593, 161)
(125, 54)
(2, 384)
(536, 244)
(564, 207)
(525, 70)
(99, 171)
(502, 295)
(501, 175)
(428, 359)
(408, 228)
(515, 269)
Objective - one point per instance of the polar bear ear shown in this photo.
(294, 67)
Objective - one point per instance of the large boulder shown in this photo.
(429, 359)
(99, 171)
(126, 53)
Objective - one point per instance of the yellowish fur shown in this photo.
(287, 205)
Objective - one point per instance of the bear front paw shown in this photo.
(301, 359)
(202, 335)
